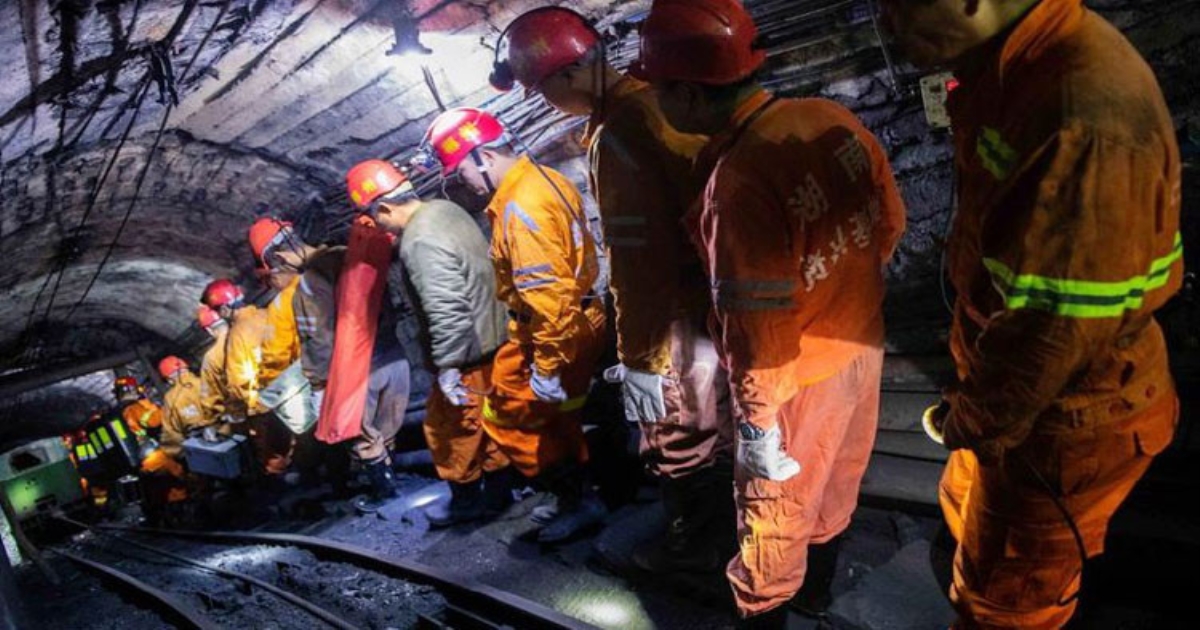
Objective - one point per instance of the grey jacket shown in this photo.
(445, 259)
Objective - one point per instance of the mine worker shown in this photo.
(315, 308)
(183, 412)
(799, 217)
(641, 176)
(248, 331)
(282, 350)
(141, 415)
(213, 391)
(1065, 242)
(444, 257)
(282, 347)
(545, 265)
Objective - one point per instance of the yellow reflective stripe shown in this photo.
(81, 452)
(145, 418)
(573, 404)
(489, 414)
(95, 441)
(997, 157)
(105, 437)
(119, 428)
(1082, 298)
(91, 451)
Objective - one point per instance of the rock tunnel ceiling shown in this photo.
(249, 107)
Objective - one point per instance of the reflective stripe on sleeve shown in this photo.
(1081, 298)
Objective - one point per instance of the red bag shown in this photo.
(359, 298)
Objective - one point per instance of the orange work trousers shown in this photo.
(535, 435)
(698, 428)
(829, 428)
(1017, 563)
(461, 450)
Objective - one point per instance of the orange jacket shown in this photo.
(282, 347)
(641, 176)
(182, 412)
(1067, 235)
(142, 414)
(213, 391)
(800, 214)
(545, 261)
(248, 331)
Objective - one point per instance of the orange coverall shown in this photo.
(641, 176)
(281, 348)
(1066, 241)
(800, 215)
(213, 392)
(248, 331)
(545, 264)
(182, 413)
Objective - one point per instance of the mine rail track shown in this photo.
(468, 605)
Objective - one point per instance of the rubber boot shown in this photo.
(498, 488)
(696, 512)
(815, 595)
(466, 504)
(382, 487)
(578, 506)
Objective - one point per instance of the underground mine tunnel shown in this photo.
(290, 339)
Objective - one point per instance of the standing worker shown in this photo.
(642, 177)
(545, 265)
(799, 217)
(248, 330)
(315, 308)
(444, 256)
(1066, 241)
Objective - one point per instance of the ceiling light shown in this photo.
(408, 36)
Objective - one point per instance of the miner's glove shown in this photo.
(760, 454)
(642, 393)
(232, 419)
(547, 388)
(209, 434)
(934, 422)
(450, 382)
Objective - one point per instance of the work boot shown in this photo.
(466, 504)
(382, 487)
(575, 507)
(590, 510)
(815, 595)
(698, 523)
(545, 512)
(498, 488)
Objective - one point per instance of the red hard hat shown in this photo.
(266, 233)
(206, 317)
(220, 293)
(170, 365)
(125, 385)
(698, 41)
(540, 43)
(372, 179)
(457, 132)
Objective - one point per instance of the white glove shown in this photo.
(232, 419)
(450, 382)
(547, 388)
(642, 393)
(209, 434)
(760, 454)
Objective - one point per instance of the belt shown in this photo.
(525, 318)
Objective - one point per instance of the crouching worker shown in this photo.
(444, 256)
(545, 266)
(315, 305)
